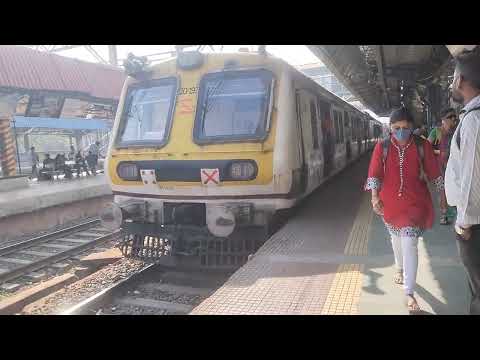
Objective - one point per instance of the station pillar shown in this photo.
(78, 141)
(26, 143)
(7, 142)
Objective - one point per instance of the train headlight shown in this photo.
(243, 170)
(128, 171)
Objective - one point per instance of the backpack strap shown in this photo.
(460, 126)
(421, 153)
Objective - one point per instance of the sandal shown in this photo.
(398, 278)
(412, 305)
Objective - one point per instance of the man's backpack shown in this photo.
(421, 153)
(460, 126)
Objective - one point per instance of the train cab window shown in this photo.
(233, 106)
(147, 114)
(314, 119)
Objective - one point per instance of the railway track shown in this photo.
(152, 291)
(33, 254)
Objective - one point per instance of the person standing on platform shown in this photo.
(462, 176)
(35, 161)
(421, 131)
(94, 149)
(440, 138)
(399, 169)
(71, 154)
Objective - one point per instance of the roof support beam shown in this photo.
(97, 56)
(383, 83)
(62, 48)
(112, 55)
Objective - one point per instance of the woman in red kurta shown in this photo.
(400, 194)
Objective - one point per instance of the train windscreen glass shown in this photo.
(234, 105)
(148, 112)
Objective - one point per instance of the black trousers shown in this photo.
(469, 251)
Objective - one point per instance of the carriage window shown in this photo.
(233, 105)
(313, 118)
(147, 113)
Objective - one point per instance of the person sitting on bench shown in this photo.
(80, 164)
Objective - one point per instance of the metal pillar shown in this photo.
(112, 55)
(26, 142)
(78, 141)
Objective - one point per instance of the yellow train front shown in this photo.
(207, 148)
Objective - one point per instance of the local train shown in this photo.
(207, 149)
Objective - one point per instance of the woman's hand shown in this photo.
(377, 205)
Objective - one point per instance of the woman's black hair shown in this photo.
(401, 114)
(447, 111)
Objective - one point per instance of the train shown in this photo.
(208, 149)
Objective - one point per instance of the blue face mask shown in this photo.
(402, 134)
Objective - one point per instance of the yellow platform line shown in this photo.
(344, 294)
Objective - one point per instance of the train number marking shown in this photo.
(187, 91)
(210, 176)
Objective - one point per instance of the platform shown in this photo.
(334, 257)
(46, 204)
(45, 194)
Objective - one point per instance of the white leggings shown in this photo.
(406, 257)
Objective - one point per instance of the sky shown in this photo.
(293, 54)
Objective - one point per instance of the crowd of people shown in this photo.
(87, 164)
(407, 160)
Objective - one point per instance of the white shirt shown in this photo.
(462, 176)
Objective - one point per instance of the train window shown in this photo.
(314, 119)
(147, 114)
(233, 105)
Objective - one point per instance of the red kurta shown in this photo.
(414, 207)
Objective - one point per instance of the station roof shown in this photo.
(31, 70)
(382, 76)
(22, 122)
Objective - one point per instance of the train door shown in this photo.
(348, 135)
(328, 137)
(306, 104)
(340, 150)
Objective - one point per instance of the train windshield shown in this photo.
(148, 112)
(233, 105)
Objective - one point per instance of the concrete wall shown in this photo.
(30, 223)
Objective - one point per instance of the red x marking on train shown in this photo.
(213, 176)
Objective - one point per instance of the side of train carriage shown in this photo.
(207, 148)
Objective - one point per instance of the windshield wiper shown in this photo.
(212, 92)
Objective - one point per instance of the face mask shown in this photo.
(402, 134)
